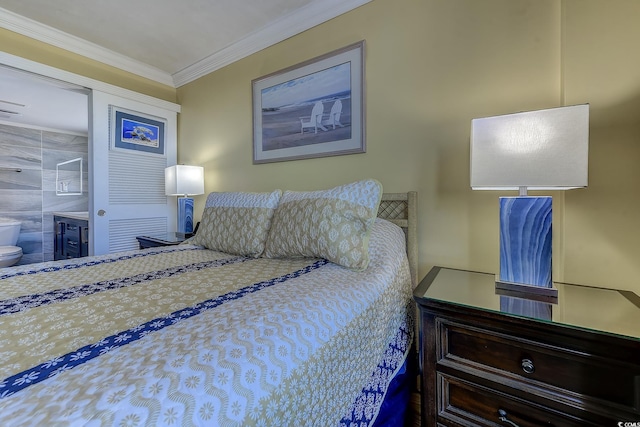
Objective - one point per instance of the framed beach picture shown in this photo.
(312, 109)
(134, 131)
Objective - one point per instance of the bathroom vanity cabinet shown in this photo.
(71, 235)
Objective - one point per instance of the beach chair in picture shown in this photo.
(315, 120)
(334, 115)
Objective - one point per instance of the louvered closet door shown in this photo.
(127, 197)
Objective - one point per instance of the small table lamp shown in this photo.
(535, 150)
(183, 180)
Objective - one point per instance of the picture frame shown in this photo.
(311, 109)
(131, 130)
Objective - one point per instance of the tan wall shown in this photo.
(431, 66)
(602, 67)
(31, 49)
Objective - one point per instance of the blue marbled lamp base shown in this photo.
(185, 215)
(525, 240)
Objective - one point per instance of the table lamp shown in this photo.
(535, 150)
(185, 181)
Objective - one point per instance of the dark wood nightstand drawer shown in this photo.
(576, 368)
(572, 375)
(465, 403)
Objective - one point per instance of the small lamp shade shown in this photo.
(534, 150)
(184, 180)
(540, 150)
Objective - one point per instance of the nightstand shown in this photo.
(160, 240)
(490, 358)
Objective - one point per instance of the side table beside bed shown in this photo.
(490, 359)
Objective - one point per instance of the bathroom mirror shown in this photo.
(69, 178)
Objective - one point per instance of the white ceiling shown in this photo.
(30, 100)
(169, 41)
(169, 35)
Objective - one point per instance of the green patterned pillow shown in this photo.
(237, 223)
(333, 224)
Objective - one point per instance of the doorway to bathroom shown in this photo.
(43, 156)
(115, 218)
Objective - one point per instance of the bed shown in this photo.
(190, 335)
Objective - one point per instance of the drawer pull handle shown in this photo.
(502, 416)
(527, 366)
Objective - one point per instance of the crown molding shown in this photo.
(46, 34)
(287, 26)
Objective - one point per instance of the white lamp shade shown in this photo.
(183, 180)
(540, 150)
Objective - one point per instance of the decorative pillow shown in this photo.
(236, 222)
(333, 224)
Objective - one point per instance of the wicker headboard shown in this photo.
(401, 209)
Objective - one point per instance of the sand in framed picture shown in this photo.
(312, 109)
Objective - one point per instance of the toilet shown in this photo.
(9, 232)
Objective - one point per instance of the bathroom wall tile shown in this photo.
(31, 243)
(47, 222)
(49, 181)
(20, 200)
(16, 216)
(22, 137)
(51, 202)
(23, 157)
(65, 142)
(31, 258)
(31, 222)
(47, 245)
(28, 179)
(51, 158)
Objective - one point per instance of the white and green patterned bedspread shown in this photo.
(181, 336)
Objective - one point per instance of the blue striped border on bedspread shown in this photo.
(22, 380)
(26, 302)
